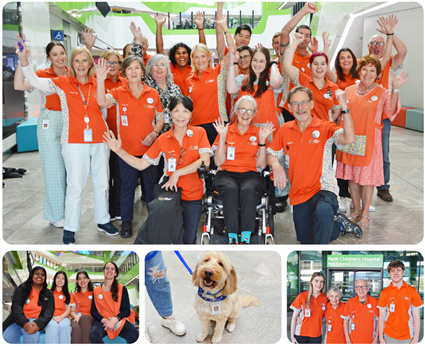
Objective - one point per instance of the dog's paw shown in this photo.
(230, 326)
(200, 337)
(216, 340)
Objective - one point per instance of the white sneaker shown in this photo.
(174, 325)
(342, 204)
(58, 224)
(371, 208)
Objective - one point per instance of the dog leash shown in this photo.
(178, 255)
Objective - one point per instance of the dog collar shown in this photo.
(215, 296)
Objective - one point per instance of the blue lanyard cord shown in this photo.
(183, 261)
(153, 254)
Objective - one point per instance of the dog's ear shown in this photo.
(231, 283)
(195, 276)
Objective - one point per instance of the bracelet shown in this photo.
(261, 145)
(227, 32)
(200, 29)
(396, 90)
(235, 63)
(272, 63)
(156, 133)
(389, 34)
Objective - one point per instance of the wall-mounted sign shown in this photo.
(355, 261)
(57, 35)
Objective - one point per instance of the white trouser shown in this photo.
(80, 160)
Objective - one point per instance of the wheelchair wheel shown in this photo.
(269, 241)
(205, 241)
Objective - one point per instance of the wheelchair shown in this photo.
(213, 230)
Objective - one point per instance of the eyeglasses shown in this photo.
(128, 54)
(244, 57)
(302, 103)
(361, 287)
(112, 63)
(249, 111)
(158, 65)
(376, 44)
(182, 152)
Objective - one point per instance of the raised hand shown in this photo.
(341, 96)
(387, 24)
(222, 21)
(220, 127)
(258, 45)
(402, 78)
(326, 41)
(199, 20)
(314, 45)
(265, 131)
(298, 38)
(110, 140)
(22, 55)
(309, 7)
(89, 38)
(102, 70)
(160, 19)
(137, 33)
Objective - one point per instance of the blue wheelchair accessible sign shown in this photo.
(58, 36)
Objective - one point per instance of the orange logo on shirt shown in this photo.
(193, 147)
(209, 81)
(314, 141)
(148, 106)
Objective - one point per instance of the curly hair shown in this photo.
(370, 59)
(173, 50)
(77, 286)
(262, 79)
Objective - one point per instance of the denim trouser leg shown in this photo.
(13, 333)
(129, 333)
(97, 333)
(386, 153)
(58, 333)
(192, 211)
(314, 219)
(157, 284)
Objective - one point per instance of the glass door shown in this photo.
(344, 279)
(374, 279)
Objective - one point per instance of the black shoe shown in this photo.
(126, 229)
(385, 195)
(281, 204)
(68, 237)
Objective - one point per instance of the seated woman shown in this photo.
(58, 330)
(184, 148)
(32, 308)
(111, 309)
(82, 320)
(239, 149)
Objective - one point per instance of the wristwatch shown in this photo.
(347, 111)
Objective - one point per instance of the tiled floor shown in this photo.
(399, 222)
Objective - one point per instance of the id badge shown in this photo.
(88, 135)
(78, 313)
(231, 153)
(124, 120)
(216, 308)
(353, 326)
(307, 312)
(171, 165)
(45, 124)
(287, 161)
(329, 327)
(392, 307)
(167, 119)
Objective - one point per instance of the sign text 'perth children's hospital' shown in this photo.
(355, 261)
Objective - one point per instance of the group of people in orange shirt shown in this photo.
(394, 318)
(85, 316)
(184, 92)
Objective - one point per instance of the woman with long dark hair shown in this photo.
(82, 320)
(58, 330)
(111, 309)
(32, 309)
(310, 305)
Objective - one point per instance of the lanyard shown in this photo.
(86, 104)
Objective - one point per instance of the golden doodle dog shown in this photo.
(216, 299)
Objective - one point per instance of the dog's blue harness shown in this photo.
(215, 296)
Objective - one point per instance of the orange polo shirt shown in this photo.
(322, 105)
(83, 302)
(246, 148)
(302, 63)
(193, 146)
(141, 115)
(31, 308)
(51, 102)
(180, 76)
(310, 326)
(60, 305)
(309, 155)
(334, 324)
(364, 317)
(399, 324)
(74, 111)
(111, 119)
(349, 80)
(208, 93)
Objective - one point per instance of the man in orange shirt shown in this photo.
(306, 145)
(360, 314)
(376, 46)
(399, 309)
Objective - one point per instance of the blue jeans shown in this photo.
(192, 211)
(13, 333)
(128, 332)
(386, 153)
(58, 333)
(314, 219)
(157, 284)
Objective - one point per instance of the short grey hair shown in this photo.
(246, 98)
(155, 58)
(127, 62)
(335, 289)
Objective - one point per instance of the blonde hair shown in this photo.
(107, 54)
(310, 288)
(203, 48)
(76, 51)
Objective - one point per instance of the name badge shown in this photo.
(307, 312)
(171, 165)
(353, 326)
(124, 120)
(287, 161)
(88, 135)
(61, 297)
(45, 124)
(329, 327)
(392, 307)
(216, 308)
(231, 153)
(78, 313)
(167, 119)
(27, 301)
(326, 96)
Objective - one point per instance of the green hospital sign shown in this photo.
(355, 261)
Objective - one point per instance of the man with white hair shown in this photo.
(360, 315)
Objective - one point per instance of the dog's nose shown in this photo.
(208, 273)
